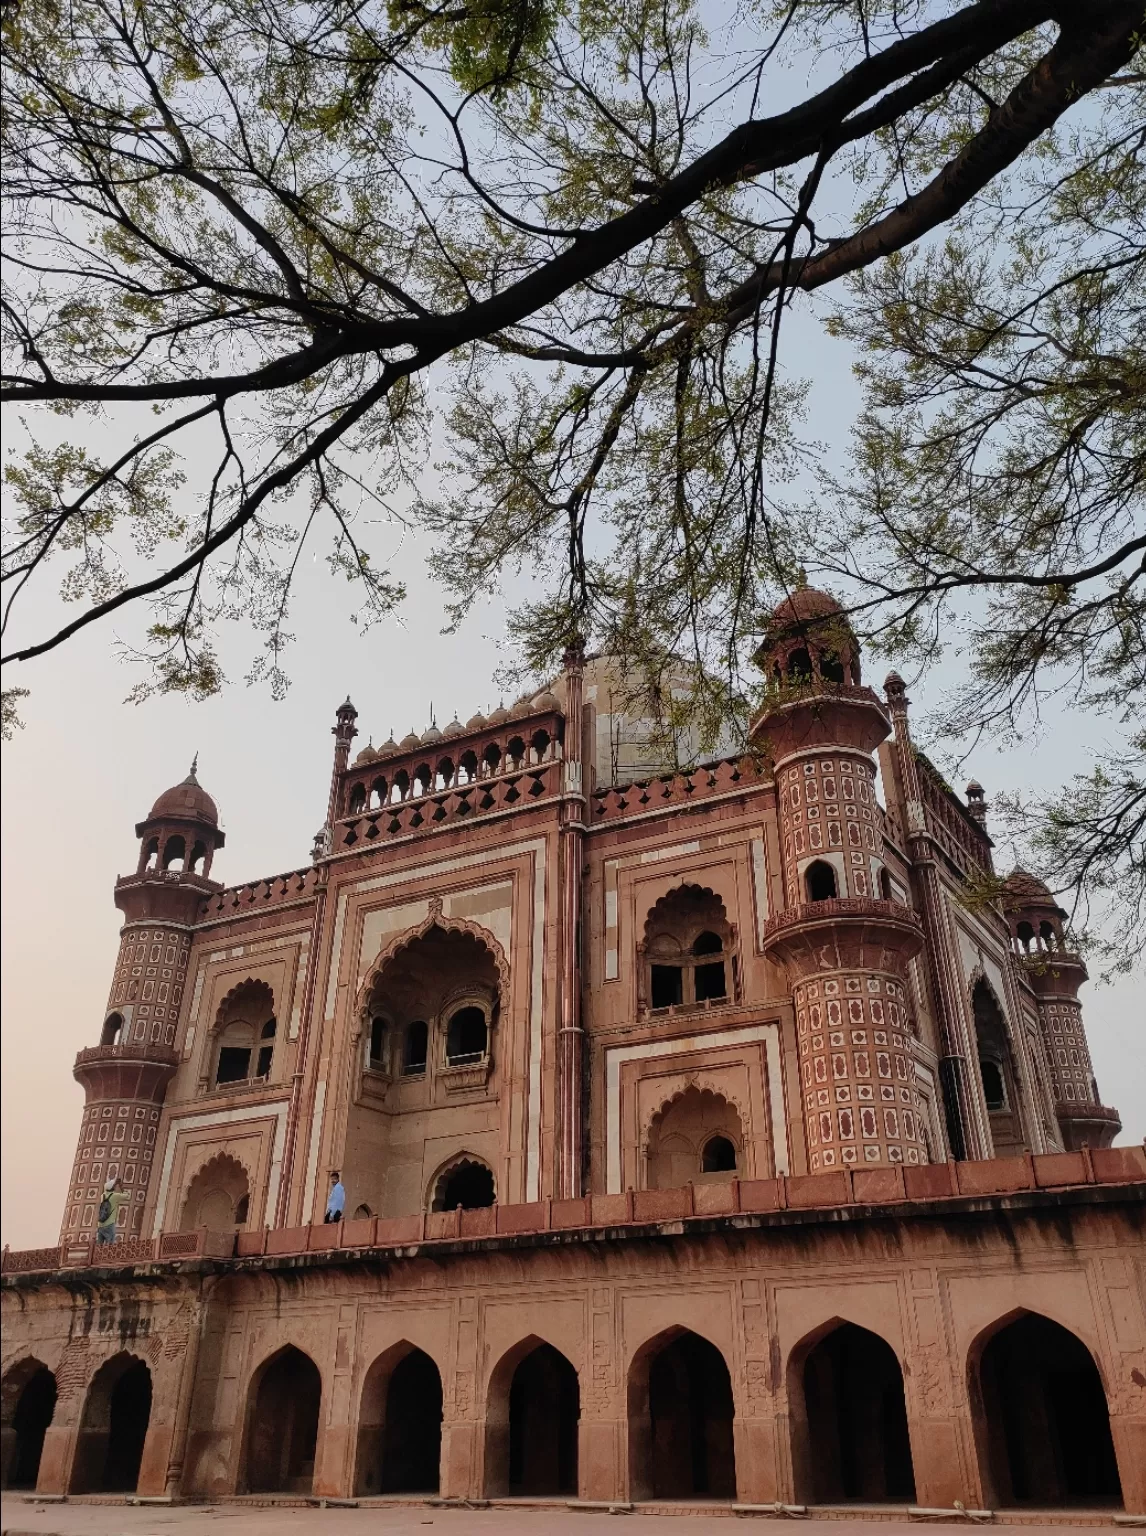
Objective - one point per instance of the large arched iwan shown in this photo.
(532, 1423)
(27, 1404)
(282, 1424)
(680, 1420)
(117, 1412)
(849, 1420)
(1042, 1424)
(400, 1424)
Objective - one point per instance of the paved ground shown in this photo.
(19, 1517)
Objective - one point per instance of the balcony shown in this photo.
(843, 933)
(136, 1071)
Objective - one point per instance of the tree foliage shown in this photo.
(290, 235)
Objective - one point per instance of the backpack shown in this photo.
(104, 1214)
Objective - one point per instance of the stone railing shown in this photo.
(863, 908)
(841, 1188)
(93, 1055)
(512, 791)
(643, 795)
(237, 900)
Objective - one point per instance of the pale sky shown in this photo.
(88, 766)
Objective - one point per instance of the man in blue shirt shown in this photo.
(336, 1200)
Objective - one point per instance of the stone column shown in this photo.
(967, 1133)
(571, 1036)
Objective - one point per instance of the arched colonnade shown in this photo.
(1039, 1416)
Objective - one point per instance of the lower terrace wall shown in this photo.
(934, 1282)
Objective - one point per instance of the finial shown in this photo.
(191, 779)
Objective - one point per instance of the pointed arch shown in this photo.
(113, 1428)
(848, 1415)
(681, 1413)
(400, 1423)
(680, 1130)
(533, 1412)
(410, 936)
(1040, 1413)
(253, 987)
(284, 1399)
(214, 1194)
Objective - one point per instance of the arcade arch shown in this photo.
(117, 1412)
(400, 1424)
(680, 1420)
(996, 1071)
(532, 1423)
(849, 1419)
(1042, 1424)
(27, 1404)
(283, 1403)
(464, 1181)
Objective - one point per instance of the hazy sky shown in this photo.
(88, 766)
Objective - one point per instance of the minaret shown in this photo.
(125, 1076)
(845, 948)
(1055, 974)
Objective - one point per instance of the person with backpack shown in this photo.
(107, 1217)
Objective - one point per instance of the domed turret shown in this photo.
(808, 640)
(181, 832)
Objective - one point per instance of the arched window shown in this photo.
(466, 1036)
(174, 853)
(820, 881)
(357, 802)
(719, 1156)
(362, 1213)
(112, 1029)
(242, 1210)
(539, 744)
(1025, 934)
(149, 856)
(266, 1048)
(708, 975)
(800, 666)
(416, 1048)
(831, 667)
(515, 751)
(244, 1033)
(198, 854)
(1047, 935)
(467, 1183)
(491, 758)
(468, 765)
(378, 792)
(688, 950)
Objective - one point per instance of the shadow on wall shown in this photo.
(27, 1404)
(116, 1415)
(400, 1424)
(282, 1433)
(849, 1420)
(1041, 1418)
(680, 1420)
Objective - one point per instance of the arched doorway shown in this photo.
(680, 1421)
(400, 1424)
(28, 1400)
(116, 1414)
(532, 1417)
(283, 1429)
(1042, 1420)
(851, 1439)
